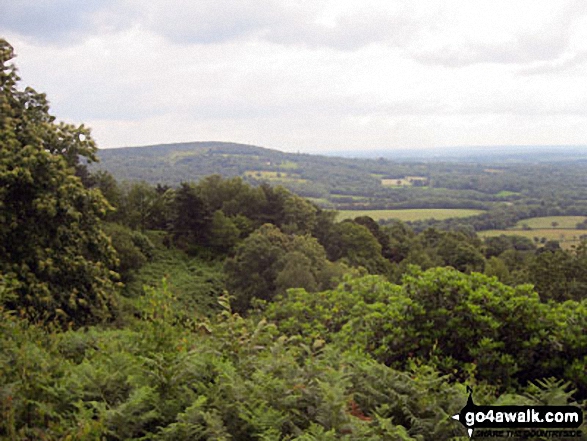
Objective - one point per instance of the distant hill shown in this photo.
(505, 154)
(479, 180)
(309, 175)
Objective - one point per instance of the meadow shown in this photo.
(408, 215)
(560, 222)
(566, 237)
(277, 176)
(408, 181)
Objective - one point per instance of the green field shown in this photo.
(546, 222)
(567, 238)
(408, 181)
(409, 214)
(506, 193)
(275, 176)
(334, 197)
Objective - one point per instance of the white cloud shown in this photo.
(310, 74)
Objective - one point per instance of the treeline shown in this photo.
(499, 218)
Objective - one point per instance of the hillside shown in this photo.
(309, 175)
(363, 184)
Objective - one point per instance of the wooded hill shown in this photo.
(509, 192)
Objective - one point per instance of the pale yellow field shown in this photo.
(275, 176)
(403, 182)
(546, 222)
(567, 238)
(409, 214)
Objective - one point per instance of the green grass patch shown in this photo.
(567, 238)
(407, 181)
(179, 155)
(321, 202)
(552, 222)
(506, 193)
(334, 197)
(409, 214)
(276, 176)
(288, 165)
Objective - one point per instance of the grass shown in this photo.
(322, 202)
(506, 193)
(408, 214)
(288, 165)
(276, 176)
(562, 222)
(334, 197)
(408, 181)
(566, 237)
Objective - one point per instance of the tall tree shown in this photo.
(51, 241)
(191, 219)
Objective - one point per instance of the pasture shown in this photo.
(277, 176)
(408, 214)
(560, 222)
(566, 237)
(408, 181)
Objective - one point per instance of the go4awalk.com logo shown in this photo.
(517, 417)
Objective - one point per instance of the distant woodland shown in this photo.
(207, 291)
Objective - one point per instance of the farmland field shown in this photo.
(566, 237)
(402, 182)
(546, 222)
(408, 214)
(275, 176)
(506, 193)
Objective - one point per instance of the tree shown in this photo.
(355, 244)
(192, 218)
(139, 205)
(252, 273)
(51, 241)
(376, 231)
(224, 234)
(268, 262)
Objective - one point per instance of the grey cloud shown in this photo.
(546, 44)
(214, 21)
(556, 66)
(522, 49)
(349, 31)
(209, 21)
(57, 21)
(187, 22)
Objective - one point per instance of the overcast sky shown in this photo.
(309, 75)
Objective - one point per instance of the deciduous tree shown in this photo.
(51, 241)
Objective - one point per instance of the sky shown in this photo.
(309, 75)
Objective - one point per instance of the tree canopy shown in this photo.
(51, 242)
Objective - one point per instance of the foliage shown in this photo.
(511, 337)
(51, 241)
(269, 261)
(191, 219)
(230, 378)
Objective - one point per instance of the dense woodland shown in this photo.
(209, 307)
